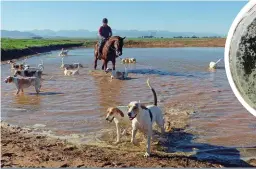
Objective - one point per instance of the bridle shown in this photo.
(114, 47)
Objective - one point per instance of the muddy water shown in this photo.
(220, 125)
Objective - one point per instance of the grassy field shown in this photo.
(9, 44)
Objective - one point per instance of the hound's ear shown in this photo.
(143, 106)
(124, 37)
(118, 111)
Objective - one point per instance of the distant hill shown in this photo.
(16, 34)
(82, 33)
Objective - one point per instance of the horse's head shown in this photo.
(118, 44)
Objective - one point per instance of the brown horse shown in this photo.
(112, 49)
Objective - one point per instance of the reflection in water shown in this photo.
(25, 99)
(212, 76)
(109, 90)
(46, 93)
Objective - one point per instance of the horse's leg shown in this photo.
(95, 62)
(102, 67)
(105, 64)
(114, 64)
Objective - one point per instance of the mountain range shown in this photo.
(82, 33)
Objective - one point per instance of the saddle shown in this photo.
(104, 43)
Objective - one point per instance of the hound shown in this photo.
(70, 66)
(63, 52)
(143, 117)
(39, 67)
(120, 118)
(132, 60)
(129, 60)
(28, 73)
(117, 74)
(15, 66)
(22, 83)
(69, 71)
(213, 65)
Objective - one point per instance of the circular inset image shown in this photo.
(240, 56)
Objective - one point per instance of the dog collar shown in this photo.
(150, 113)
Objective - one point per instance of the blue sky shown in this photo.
(215, 17)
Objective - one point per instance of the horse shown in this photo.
(112, 49)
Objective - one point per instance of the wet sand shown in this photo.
(20, 148)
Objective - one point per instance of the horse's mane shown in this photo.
(111, 40)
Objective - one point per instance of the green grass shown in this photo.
(9, 44)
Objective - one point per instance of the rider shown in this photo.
(104, 33)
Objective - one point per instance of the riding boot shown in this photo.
(99, 55)
(101, 45)
(100, 51)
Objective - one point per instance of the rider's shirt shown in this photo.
(105, 31)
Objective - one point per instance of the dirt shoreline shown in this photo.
(19, 53)
(217, 42)
(22, 148)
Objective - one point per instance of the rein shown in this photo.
(113, 48)
(110, 46)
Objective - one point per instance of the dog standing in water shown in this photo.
(73, 71)
(143, 117)
(15, 66)
(28, 73)
(70, 66)
(117, 74)
(22, 83)
(118, 115)
(63, 52)
(39, 67)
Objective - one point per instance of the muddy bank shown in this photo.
(169, 43)
(218, 42)
(18, 53)
(20, 148)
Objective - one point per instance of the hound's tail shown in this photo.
(24, 61)
(41, 66)
(218, 61)
(154, 92)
